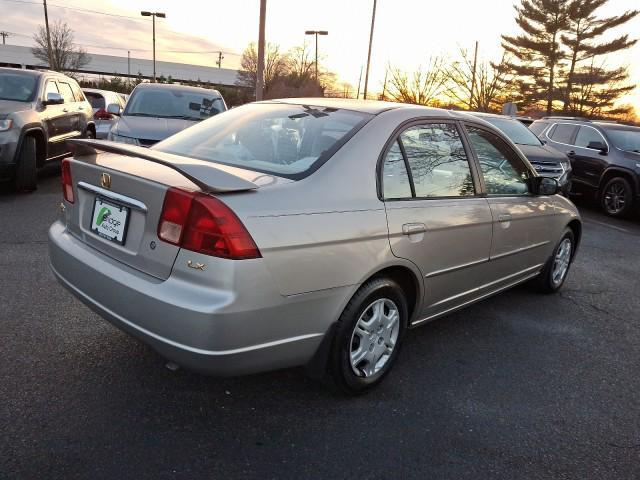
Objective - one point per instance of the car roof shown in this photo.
(366, 106)
(34, 73)
(98, 90)
(174, 87)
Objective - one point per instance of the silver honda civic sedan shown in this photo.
(305, 232)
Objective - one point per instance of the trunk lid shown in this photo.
(128, 187)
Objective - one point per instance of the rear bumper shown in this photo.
(202, 328)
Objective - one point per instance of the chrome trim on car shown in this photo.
(457, 267)
(546, 134)
(519, 250)
(129, 202)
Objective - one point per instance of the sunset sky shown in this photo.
(407, 32)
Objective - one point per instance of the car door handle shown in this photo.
(504, 217)
(80, 108)
(65, 110)
(571, 153)
(412, 228)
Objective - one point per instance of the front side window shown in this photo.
(438, 162)
(50, 87)
(277, 138)
(625, 139)
(587, 135)
(563, 133)
(395, 180)
(503, 171)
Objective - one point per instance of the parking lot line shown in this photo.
(604, 224)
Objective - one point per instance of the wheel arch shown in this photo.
(612, 172)
(576, 227)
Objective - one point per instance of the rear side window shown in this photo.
(586, 135)
(563, 133)
(503, 171)
(96, 100)
(538, 127)
(77, 92)
(438, 162)
(50, 87)
(395, 179)
(67, 93)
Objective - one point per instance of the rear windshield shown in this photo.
(516, 131)
(17, 87)
(166, 103)
(281, 139)
(95, 99)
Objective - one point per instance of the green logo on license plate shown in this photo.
(102, 216)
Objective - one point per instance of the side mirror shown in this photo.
(544, 186)
(114, 109)
(601, 147)
(53, 98)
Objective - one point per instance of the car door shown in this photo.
(72, 111)
(521, 227)
(591, 162)
(83, 107)
(55, 121)
(435, 217)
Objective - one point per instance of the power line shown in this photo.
(78, 9)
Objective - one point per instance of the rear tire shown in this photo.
(26, 175)
(616, 198)
(556, 270)
(368, 336)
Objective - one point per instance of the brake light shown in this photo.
(102, 114)
(67, 183)
(201, 223)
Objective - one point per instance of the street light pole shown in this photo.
(260, 66)
(316, 33)
(366, 75)
(154, 15)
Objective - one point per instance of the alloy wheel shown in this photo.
(615, 198)
(561, 262)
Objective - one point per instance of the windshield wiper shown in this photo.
(138, 114)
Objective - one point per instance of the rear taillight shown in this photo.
(67, 183)
(102, 114)
(201, 223)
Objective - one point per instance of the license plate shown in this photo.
(110, 220)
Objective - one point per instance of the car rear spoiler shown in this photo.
(208, 176)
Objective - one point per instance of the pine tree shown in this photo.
(586, 87)
(538, 49)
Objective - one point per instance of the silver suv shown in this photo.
(39, 110)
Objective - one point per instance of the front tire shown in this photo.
(26, 175)
(555, 271)
(368, 336)
(616, 197)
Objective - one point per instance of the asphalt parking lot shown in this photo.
(520, 386)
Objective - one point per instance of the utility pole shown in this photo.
(154, 15)
(46, 24)
(359, 82)
(384, 85)
(128, 63)
(473, 76)
(373, 21)
(316, 33)
(260, 67)
(4, 35)
(220, 57)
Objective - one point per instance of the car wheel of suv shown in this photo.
(556, 269)
(368, 336)
(89, 134)
(26, 175)
(617, 197)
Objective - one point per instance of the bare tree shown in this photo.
(422, 86)
(276, 66)
(491, 85)
(65, 56)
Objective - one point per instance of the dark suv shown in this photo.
(39, 110)
(605, 158)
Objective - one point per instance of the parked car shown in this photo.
(100, 100)
(305, 231)
(39, 110)
(547, 161)
(605, 158)
(157, 111)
